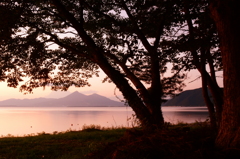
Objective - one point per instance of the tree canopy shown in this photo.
(63, 43)
(43, 24)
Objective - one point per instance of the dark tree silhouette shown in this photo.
(205, 50)
(198, 44)
(123, 38)
(226, 16)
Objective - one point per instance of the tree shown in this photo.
(205, 50)
(226, 16)
(198, 44)
(123, 38)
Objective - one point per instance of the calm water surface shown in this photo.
(19, 121)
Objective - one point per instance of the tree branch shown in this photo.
(67, 15)
(57, 41)
(141, 36)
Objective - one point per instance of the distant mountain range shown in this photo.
(74, 99)
(187, 98)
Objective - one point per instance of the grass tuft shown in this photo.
(91, 127)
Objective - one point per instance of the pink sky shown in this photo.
(104, 89)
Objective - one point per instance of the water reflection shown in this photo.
(20, 121)
(185, 114)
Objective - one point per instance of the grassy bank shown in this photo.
(176, 141)
(67, 145)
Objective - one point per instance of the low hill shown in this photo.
(187, 98)
(74, 99)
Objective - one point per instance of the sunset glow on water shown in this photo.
(20, 121)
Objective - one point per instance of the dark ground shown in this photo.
(178, 142)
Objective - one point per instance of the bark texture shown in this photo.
(226, 14)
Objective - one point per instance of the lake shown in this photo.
(20, 121)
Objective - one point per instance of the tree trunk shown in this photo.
(206, 78)
(215, 90)
(206, 97)
(147, 118)
(226, 14)
(149, 113)
(209, 104)
(156, 87)
(217, 96)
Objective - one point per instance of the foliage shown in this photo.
(29, 51)
(201, 38)
(64, 43)
(198, 44)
